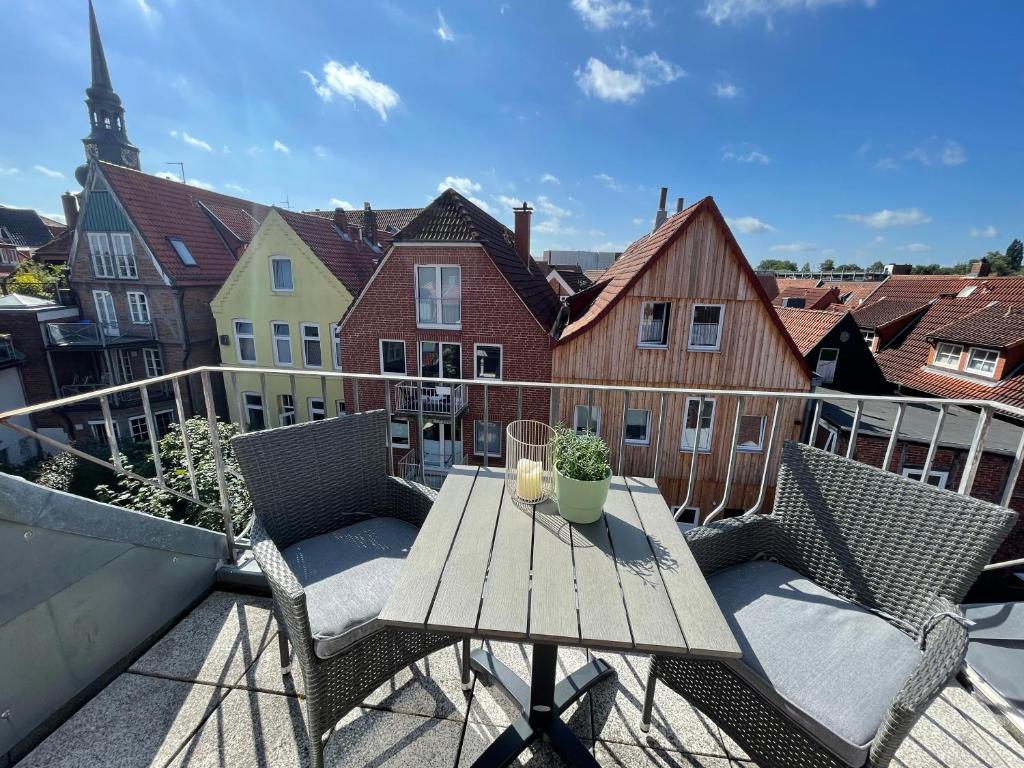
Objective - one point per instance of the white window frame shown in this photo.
(275, 337)
(647, 429)
(285, 409)
(109, 326)
(238, 343)
(154, 360)
(590, 417)
(98, 429)
(717, 347)
(249, 408)
(501, 362)
(971, 357)
(684, 447)
(868, 335)
(138, 308)
(273, 278)
(314, 411)
(124, 255)
(319, 341)
(124, 366)
(335, 331)
(740, 448)
(832, 441)
(132, 422)
(405, 356)
(664, 331)
(487, 442)
(340, 409)
(915, 473)
(959, 355)
(391, 437)
(439, 301)
(103, 256)
(169, 412)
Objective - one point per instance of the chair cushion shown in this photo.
(348, 576)
(827, 663)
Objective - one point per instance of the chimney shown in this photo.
(340, 221)
(661, 214)
(980, 267)
(369, 223)
(679, 204)
(70, 203)
(522, 234)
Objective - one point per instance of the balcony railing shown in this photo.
(729, 431)
(432, 399)
(90, 334)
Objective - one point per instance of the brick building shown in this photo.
(456, 296)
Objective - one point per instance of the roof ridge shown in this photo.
(192, 187)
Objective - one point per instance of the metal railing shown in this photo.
(668, 398)
(88, 333)
(434, 399)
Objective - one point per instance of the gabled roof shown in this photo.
(572, 276)
(163, 208)
(924, 287)
(814, 298)
(390, 220)
(887, 311)
(998, 326)
(807, 327)
(451, 218)
(22, 227)
(854, 292)
(350, 261)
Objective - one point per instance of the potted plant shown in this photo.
(582, 474)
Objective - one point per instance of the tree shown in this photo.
(849, 268)
(33, 279)
(877, 267)
(827, 266)
(806, 267)
(777, 265)
(132, 494)
(1015, 253)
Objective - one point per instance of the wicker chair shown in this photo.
(326, 510)
(870, 550)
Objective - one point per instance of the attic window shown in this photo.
(183, 252)
(967, 291)
(794, 302)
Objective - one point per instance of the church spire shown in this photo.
(108, 139)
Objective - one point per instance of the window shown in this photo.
(392, 357)
(796, 302)
(281, 273)
(489, 431)
(831, 441)
(399, 433)
(705, 425)
(285, 410)
(638, 427)
(938, 479)
(868, 334)
(438, 296)
(948, 355)
(139, 431)
(183, 252)
(124, 366)
(689, 516)
(102, 257)
(138, 307)
(252, 402)
(8, 255)
(245, 341)
(124, 255)
(487, 359)
(154, 362)
(442, 361)
(982, 361)
(317, 409)
(282, 337)
(106, 314)
(163, 420)
(99, 432)
(339, 406)
(312, 355)
(336, 346)
(580, 422)
(706, 327)
(751, 437)
(965, 292)
(654, 322)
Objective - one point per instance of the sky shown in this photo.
(851, 130)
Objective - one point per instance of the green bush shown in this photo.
(580, 457)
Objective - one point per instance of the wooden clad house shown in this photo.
(681, 308)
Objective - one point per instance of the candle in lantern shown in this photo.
(529, 479)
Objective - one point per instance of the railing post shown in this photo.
(851, 446)
(769, 451)
(554, 407)
(387, 412)
(264, 400)
(218, 459)
(694, 455)
(813, 435)
(108, 426)
(355, 395)
(154, 442)
(295, 401)
(933, 445)
(419, 436)
(661, 428)
(890, 449)
(975, 454)
(730, 469)
(622, 433)
(1014, 473)
(240, 404)
(186, 443)
(487, 435)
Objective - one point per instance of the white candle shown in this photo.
(529, 476)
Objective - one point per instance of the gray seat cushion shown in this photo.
(830, 665)
(348, 576)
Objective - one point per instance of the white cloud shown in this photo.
(887, 164)
(608, 181)
(745, 154)
(236, 188)
(509, 202)
(280, 146)
(938, 151)
(254, 150)
(545, 206)
(601, 81)
(719, 11)
(481, 204)
(443, 30)
(353, 83)
(886, 218)
(605, 14)
(750, 225)
(167, 175)
(48, 172)
(549, 178)
(460, 184)
(191, 182)
(151, 15)
(798, 247)
(637, 220)
(952, 154)
(55, 216)
(8, 171)
(337, 202)
(914, 248)
(201, 184)
(989, 231)
(726, 90)
(192, 141)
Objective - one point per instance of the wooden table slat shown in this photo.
(602, 614)
(457, 604)
(506, 603)
(414, 591)
(651, 616)
(704, 627)
(553, 615)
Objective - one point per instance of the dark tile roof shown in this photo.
(350, 261)
(23, 227)
(451, 218)
(574, 277)
(814, 298)
(998, 326)
(887, 310)
(163, 208)
(808, 327)
(389, 220)
(57, 249)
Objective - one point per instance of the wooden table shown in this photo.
(484, 567)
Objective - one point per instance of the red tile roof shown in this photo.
(854, 292)
(814, 298)
(887, 310)
(807, 327)
(797, 282)
(389, 220)
(923, 287)
(350, 261)
(163, 208)
(998, 326)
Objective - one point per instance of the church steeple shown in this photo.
(108, 139)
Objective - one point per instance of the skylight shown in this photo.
(183, 252)
(966, 291)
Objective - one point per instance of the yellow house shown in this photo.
(279, 308)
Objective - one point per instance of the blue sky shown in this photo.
(847, 129)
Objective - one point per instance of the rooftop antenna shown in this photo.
(181, 169)
(286, 203)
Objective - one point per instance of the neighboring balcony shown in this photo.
(435, 399)
(86, 334)
(8, 354)
(83, 384)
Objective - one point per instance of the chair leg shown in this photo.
(316, 751)
(467, 679)
(282, 643)
(645, 718)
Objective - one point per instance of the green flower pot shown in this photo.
(581, 501)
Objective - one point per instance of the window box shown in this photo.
(706, 327)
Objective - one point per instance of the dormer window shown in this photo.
(948, 355)
(281, 274)
(982, 361)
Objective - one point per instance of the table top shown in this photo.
(484, 567)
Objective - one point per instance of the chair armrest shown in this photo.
(289, 596)
(944, 652)
(406, 500)
(731, 542)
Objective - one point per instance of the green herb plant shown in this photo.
(579, 456)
